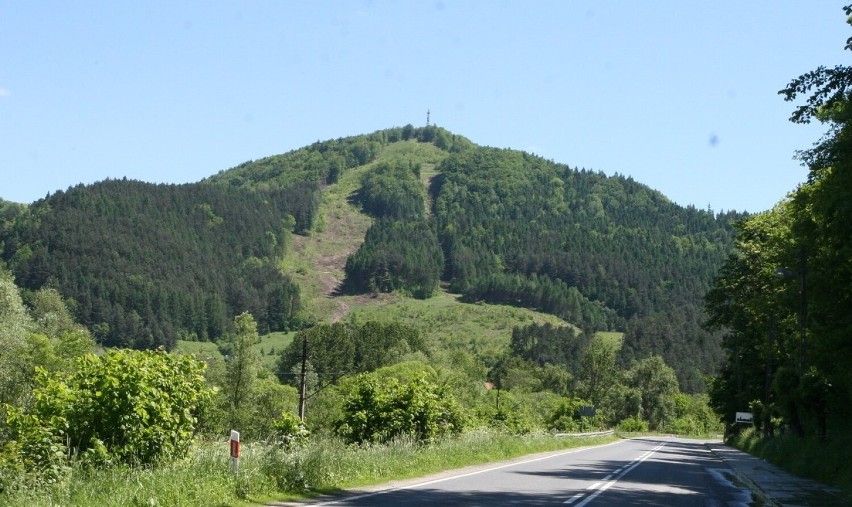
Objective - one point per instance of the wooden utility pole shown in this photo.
(303, 378)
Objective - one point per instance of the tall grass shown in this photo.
(202, 479)
(269, 471)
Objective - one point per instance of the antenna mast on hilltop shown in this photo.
(428, 112)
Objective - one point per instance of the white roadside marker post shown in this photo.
(235, 450)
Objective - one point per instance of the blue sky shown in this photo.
(680, 95)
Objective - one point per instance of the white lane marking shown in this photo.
(443, 479)
(574, 498)
(618, 475)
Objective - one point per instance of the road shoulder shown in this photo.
(772, 485)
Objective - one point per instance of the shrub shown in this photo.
(135, 407)
(567, 417)
(633, 424)
(36, 458)
(510, 416)
(289, 429)
(694, 416)
(513, 422)
(380, 409)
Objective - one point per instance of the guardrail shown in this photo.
(588, 434)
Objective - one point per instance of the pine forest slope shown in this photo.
(602, 252)
(352, 228)
(148, 264)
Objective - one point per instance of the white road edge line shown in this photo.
(427, 483)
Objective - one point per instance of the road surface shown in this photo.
(642, 471)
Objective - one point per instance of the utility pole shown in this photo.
(303, 378)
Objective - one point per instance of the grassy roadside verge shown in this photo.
(827, 461)
(405, 459)
(268, 473)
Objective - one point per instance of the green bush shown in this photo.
(693, 416)
(567, 417)
(380, 409)
(508, 414)
(513, 422)
(289, 429)
(35, 460)
(134, 407)
(633, 425)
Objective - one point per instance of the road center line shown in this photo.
(621, 472)
(574, 498)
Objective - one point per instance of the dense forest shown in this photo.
(606, 253)
(145, 265)
(148, 264)
(601, 252)
(401, 251)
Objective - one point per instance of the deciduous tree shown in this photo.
(241, 369)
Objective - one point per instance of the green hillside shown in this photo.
(445, 222)
(605, 253)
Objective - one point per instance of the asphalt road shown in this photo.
(644, 471)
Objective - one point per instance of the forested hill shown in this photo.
(513, 228)
(147, 264)
(602, 252)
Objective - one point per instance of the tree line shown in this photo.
(783, 297)
(323, 162)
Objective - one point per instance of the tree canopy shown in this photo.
(784, 295)
(148, 264)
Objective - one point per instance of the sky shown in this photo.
(679, 95)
